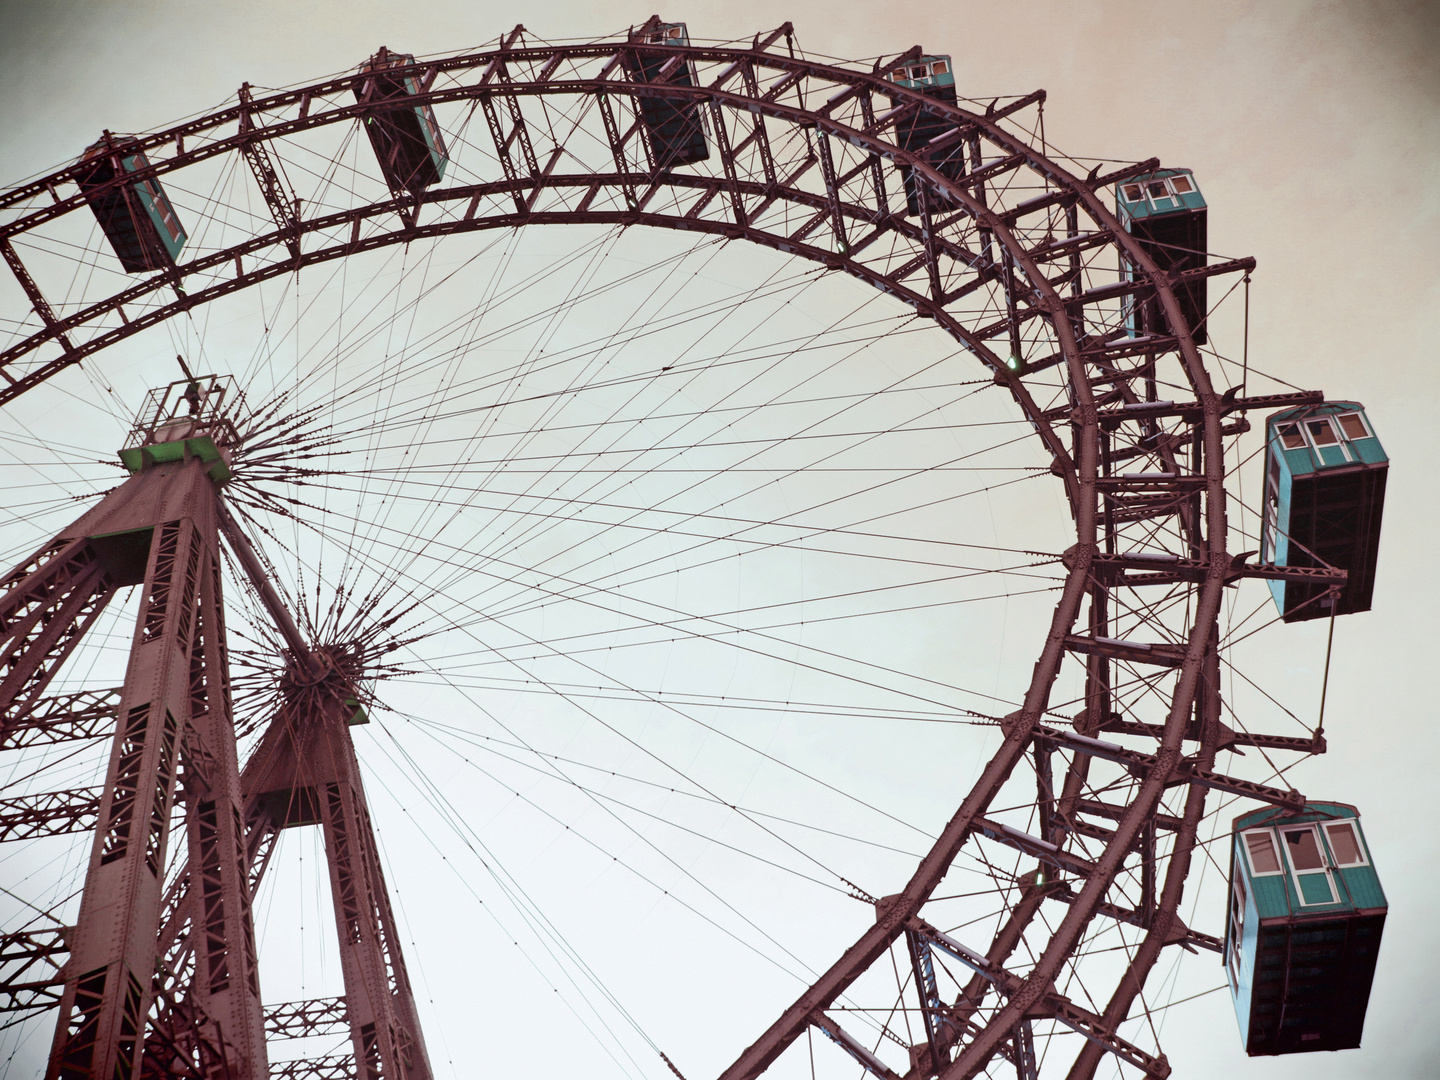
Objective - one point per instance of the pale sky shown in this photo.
(1314, 129)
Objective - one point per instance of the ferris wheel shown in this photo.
(686, 551)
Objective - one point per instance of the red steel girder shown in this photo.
(176, 653)
(52, 599)
(1006, 940)
(1185, 770)
(1093, 182)
(1164, 925)
(1191, 409)
(1139, 288)
(302, 1019)
(84, 714)
(283, 205)
(37, 299)
(795, 68)
(1082, 477)
(30, 964)
(225, 985)
(1226, 737)
(50, 813)
(852, 1046)
(1181, 934)
(330, 1067)
(304, 771)
(1051, 1006)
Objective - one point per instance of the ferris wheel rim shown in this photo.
(1079, 475)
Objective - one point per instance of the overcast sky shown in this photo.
(1314, 129)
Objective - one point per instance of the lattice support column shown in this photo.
(84, 714)
(380, 1004)
(219, 1011)
(227, 984)
(166, 512)
(305, 772)
(46, 605)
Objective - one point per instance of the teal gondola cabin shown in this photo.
(1165, 211)
(1325, 476)
(933, 76)
(675, 125)
(137, 218)
(406, 137)
(1303, 930)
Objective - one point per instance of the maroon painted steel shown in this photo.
(967, 239)
(305, 772)
(302, 1019)
(108, 992)
(225, 986)
(52, 813)
(204, 1011)
(84, 714)
(54, 599)
(30, 961)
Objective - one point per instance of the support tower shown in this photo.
(161, 978)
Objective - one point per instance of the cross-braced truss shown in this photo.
(162, 980)
(1010, 250)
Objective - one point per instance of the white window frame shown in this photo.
(1140, 190)
(1310, 435)
(669, 35)
(1249, 860)
(1188, 179)
(1323, 868)
(1364, 424)
(1239, 897)
(1270, 522)
(1300, 430)
(1359, 842)
(1150, 196)
(1340, 440)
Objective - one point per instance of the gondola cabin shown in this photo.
(933, 76)
(1165, 211)
(675, 125)
(405, 136)
(1325, 476)
(1303, 930)
(137, 218)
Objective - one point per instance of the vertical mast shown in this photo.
(163, 981)
(305, 772)
(173, 734)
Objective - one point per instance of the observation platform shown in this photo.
(189, 418)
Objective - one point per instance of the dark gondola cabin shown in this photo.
(1303, 930)
(675, 125)
(933, 76)
(1325, 476)
(137, 218)
(1165, 211)
(405, 136)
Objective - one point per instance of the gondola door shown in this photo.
(1303, 851)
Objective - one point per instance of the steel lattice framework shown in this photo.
(1015, 254)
